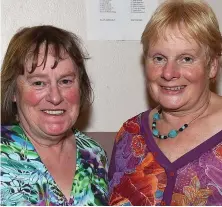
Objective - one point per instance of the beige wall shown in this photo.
(114, 67)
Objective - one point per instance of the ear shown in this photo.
(214, 65)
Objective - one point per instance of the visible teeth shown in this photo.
(174, 88)
(58, 112)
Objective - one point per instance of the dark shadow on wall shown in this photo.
(84, 119)
(214, 87)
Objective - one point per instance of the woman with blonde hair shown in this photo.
(172, 154)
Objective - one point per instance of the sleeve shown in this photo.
(112, 165)
(101, 179)
(123, 161)
(114, 173)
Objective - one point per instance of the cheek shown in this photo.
(196, 75)
(152, 73)
(31, 97)
(72, 96)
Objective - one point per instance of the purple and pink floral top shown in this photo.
(140, 174)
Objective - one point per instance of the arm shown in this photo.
(115, 173)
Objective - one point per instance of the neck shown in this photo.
(46, 141)
(186, 116)
(56, 145)
(55, 151)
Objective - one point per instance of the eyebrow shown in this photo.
(191, 50)
(183, 52)
(158, 49)
(71, 73)
(29, 76)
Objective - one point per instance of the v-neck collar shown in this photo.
(89, 184)
(27, 143)
(184, 159)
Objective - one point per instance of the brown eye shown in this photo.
(159, 60)
(38, 83)
(66, 82)
(187, 60)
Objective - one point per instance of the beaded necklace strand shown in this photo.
(173, 133)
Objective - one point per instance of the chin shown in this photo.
(56, 130)
(170, 105)
(170, 108)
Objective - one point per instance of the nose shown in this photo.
(54, 95)
(170, 71)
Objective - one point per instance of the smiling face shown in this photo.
(177, 75)
(48, 100)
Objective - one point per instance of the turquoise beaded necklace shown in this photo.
(173, 133)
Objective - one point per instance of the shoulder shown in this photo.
(6, 129)
(13, 129)
(86, 143)
(132, 126)
(92, 163)
(130, 147)
(130, 144)
(14, 143)
(11, 133)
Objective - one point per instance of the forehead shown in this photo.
(175, 38)
(50, 61)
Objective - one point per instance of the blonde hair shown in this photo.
(196, 16)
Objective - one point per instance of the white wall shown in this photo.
(114, 67)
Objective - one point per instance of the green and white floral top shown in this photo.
(26, 181)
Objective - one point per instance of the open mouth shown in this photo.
(54, 112)
(174, 88)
